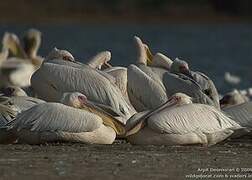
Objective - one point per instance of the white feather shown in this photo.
(241, 113)
(189, 118)
(51, 80)
(57, 117)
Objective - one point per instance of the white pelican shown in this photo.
(11, 42)
(18, 70)
(231, 79)
(158, 60)
(241, 113)
(59, 73)
(50, 122)
(149, 87)
(233, 98)
(180, 122)
(205, 83)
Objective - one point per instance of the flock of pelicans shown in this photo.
(154, 101)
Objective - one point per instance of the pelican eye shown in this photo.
(67, 58)
(177, 98)
(82, 98)
(183, 68)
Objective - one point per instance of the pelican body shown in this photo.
(57, 76)
(180, 122)
(75, 121)
(149, 87)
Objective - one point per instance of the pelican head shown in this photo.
(233, 98)
(11, 42)
(13, 91)
(32, 41)
(144, 54)
(74, 99)
(162, 61)
(180, 99)
(80, 101)
(60, 54)
(180, 66)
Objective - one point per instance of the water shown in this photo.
(212, 49)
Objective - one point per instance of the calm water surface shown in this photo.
(212, 49)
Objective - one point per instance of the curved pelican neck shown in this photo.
(141, 52)
(107, 119)
(141, 123)
(17, 50)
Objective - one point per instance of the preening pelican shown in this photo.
(17, 70)
(50, 122)
(233, 98)
(149, 87)
(100, 60)
(205, 83)
(180, 122)
(32, 42)
(59, 73)
(158, 60)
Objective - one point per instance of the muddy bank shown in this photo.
(122, 161)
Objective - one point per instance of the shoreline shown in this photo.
(142, 20)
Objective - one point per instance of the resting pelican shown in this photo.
(149, 87)
(180, 122)
(241, 113)
(158, 60)
(233, 98)
(50, 122)
(15, 71)
(59, 73)
(205, 83)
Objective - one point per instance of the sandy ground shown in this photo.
(124, 161)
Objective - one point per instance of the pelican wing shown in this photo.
(57, 117)
(162, 61)
(190, 118)
(145, 92)
(242, 113)
(99, 59)
(175, 83)
(51, 80)
(120, 75)
(7, 113)
(25, 102)
(81, 66)
(207, 86)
